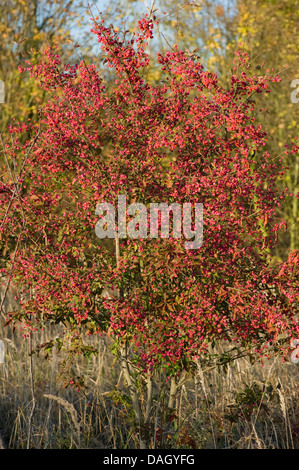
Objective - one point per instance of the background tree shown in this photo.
(26, 28)
(268, 30)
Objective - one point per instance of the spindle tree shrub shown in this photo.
(186, 140)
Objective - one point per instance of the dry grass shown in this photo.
(247, 407)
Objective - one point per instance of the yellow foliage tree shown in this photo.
(268, 30)
(25, 29)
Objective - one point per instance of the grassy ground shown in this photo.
(249, 406)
